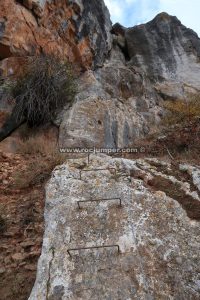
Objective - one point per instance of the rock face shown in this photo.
(140, 66)
(115, 105)
(122, 100)
(157, 235)
(165, 49)
(75, 29)
(101, 116)
(167, 52)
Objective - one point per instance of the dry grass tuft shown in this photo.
(182, 111)
(37, 145)
(46, 85)
(45, 156)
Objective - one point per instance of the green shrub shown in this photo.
(46, 85)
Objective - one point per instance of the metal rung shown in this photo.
(96, 170)
(99, 200)
(80, 157)
(95, 247)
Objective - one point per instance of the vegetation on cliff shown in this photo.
(45, 87)
(182, 111)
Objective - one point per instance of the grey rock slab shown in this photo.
(159, 244)
(96, 122)
(165, 49)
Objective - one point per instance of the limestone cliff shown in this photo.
(76, 29)
(140, 66)
(167, 52)
(165, 49)
(121, 101)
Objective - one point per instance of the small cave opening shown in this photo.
(20, 1)
(125, 52)
(4, 52)
(120, 32)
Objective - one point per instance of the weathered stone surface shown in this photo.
(148, 64)
(159, 242)
(165, 50)
(101, 123)
(192, 171)
(78, 30)
(121, 100)
(115, 105)
(18, 256)
(12, 66)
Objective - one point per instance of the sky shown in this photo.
(134, 12)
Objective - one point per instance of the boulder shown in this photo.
(157, 234)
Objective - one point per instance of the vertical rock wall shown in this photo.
(77, 30)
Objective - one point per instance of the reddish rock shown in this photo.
(34, 254)
(30, 267)
(71, 29)
(27, 244)
(18, 256)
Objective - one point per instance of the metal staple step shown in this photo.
(96, 170)
(94, 247)
(99, 200)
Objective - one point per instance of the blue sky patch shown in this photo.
(134, 12)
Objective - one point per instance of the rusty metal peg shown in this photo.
(99, 200)
(94, 247)
(80, 157)
(96, 170)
